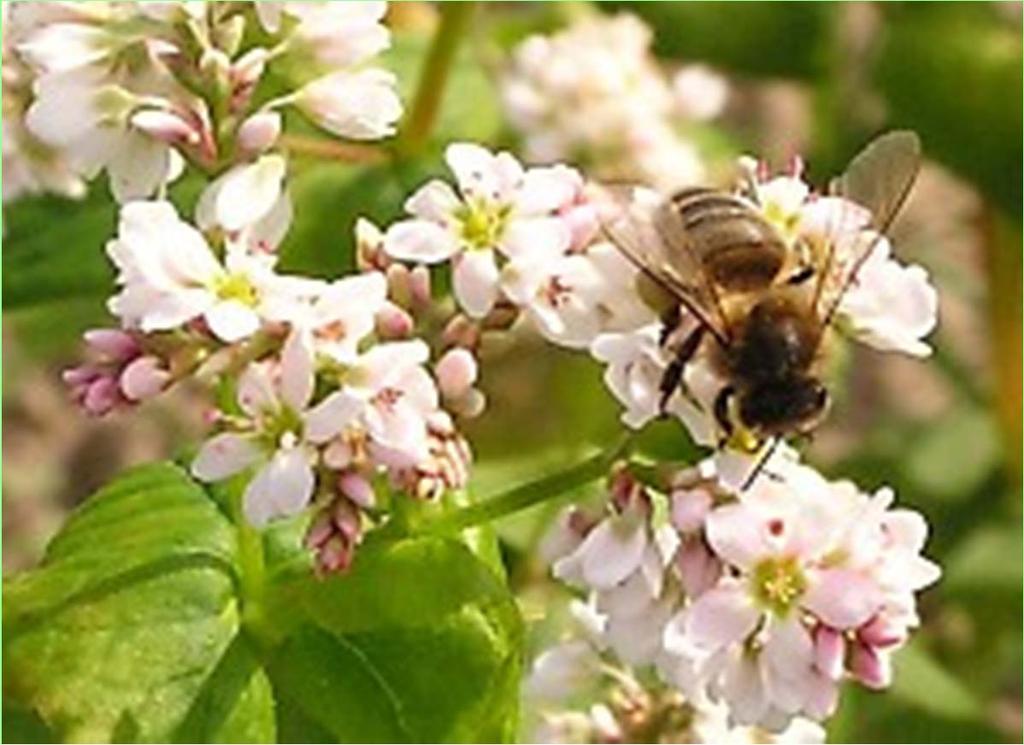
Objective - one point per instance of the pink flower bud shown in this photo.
(419, 286)
(165, 126)
(870, 666)
(102, 396)
(259, 132)
(114, 344)
(394, 323)
(829, 651)
(456, 372)
(82, 375)
(144, 378)
(399, 285)
(357, 488)
(881, 631)
(461, 332)
(689, 509)
(698, 568)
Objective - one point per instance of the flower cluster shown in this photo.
(593, 94)
(761, 601)
(137, 88)
(332, 392)
(520, 241)
(582, 693)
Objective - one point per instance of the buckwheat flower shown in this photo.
(119, 374)
(360, 105)
(499, 209)
(279, 434)
(343, 314)
(169, 276)
(636, 363)
(700, 92)
(399, 397)
(891, 306)
(560, 295)
(594, 93)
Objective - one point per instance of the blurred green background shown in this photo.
(818, 79)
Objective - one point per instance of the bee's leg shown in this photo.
(670, 321)
(801, 275)
(721, 411)
(673, 376)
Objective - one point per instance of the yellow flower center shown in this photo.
(236, 287)
(777, 583)
(482, 223)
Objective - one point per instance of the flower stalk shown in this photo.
(455, 19)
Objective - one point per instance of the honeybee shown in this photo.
(761, 301)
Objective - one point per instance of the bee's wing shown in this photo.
(638, 224)
(879, 179)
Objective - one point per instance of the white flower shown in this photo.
(399, 397)
(593, 92)
(280, 435)
(891, 306)
(700, 92)
(249, 202)
(170, 276)
(499, 208)
(338, 34)
(636, 363)
(361, 105)
(342, 315)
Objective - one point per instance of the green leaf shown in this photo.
(22, 725)
(135, 628)
(934, 461)
(114, 636)
(424, 615)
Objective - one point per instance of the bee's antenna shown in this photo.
(761, 463)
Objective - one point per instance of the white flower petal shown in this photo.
(331, 416)
(224, 455)
(297, 369)
(281, 488)
(231, 321)
(476, 282)
(842, 598)
(434, 201)
(721, 616)
(420, 240)
(248, 192)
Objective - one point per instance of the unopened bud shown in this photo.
(501, 317)
(216, 66)
(259, 132)
(419, 286)
(471, 405)
(101, 396)
(393, 322)
(461, 332)
(456, 372)
(399, 286)
(829, 651)
(881, 632)
(356, 487)
(870, 666)
(165, 126)
(144, 378)
(114, 344)
(699, 570)
(689, 508)
(369, 246)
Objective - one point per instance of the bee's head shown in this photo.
(785, 407)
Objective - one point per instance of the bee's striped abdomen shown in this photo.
(736, 246)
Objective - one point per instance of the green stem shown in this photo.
(252, 568)
(531, 494)
(455, 17)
